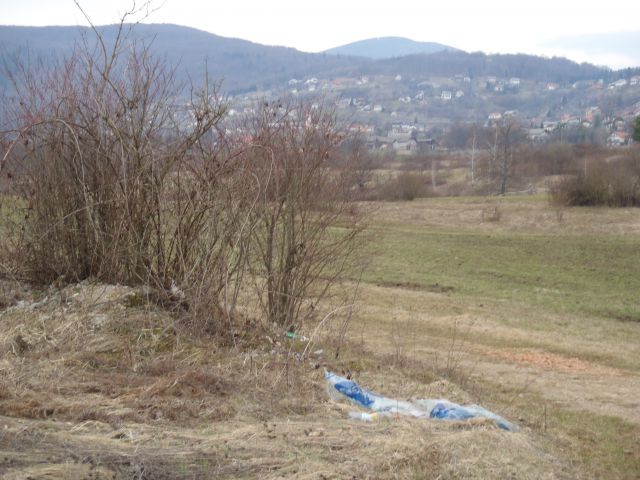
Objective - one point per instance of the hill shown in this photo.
(246, 66)
(530, 67)
(388, 47)
(243, 65)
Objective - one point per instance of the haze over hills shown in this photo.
(242, 65)
(245, 66)
(388, 47)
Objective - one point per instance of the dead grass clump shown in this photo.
(12, 292)
(199, 410)
(191, 383)
(84, 353)
(61, 471)
(491, 214)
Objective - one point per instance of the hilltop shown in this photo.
(241, 64)
(388, 47)
(245, 66)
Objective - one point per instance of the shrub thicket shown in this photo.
(615, 184)
(121, 175)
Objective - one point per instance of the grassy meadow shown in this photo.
(514, 304)
(530, 306)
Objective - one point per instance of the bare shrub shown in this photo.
(614, 184)
(406, 186)
(360, 162)
(121, 175)
(305, 228)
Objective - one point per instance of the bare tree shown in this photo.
(306, 229)
(506, 137)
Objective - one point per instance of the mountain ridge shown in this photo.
(378, 48)
(246, 66)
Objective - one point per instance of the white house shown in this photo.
(617, 139)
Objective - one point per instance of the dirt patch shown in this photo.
(433, 288)
(551, 361)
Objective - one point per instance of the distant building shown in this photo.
(401, 131)
(446, 95)
(618, 139)
(591, 113)
(405, 147)
(618, 83)
(537, 135)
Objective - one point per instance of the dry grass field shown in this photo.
(528, 310)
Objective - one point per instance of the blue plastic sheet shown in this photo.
(440, 409)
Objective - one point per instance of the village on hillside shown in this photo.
(414, 115)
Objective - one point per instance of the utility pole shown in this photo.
(473, 153)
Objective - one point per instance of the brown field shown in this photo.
(526, 309)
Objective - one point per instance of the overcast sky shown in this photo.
(493, 26)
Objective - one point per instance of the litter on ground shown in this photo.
(342, 388)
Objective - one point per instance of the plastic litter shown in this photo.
(295, 336)
(340, 388)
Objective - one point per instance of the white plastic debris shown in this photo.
(343, 388)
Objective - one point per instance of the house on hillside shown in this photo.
(618, 139)
(401, 130)
(425, 143)
(446, 95)
(537, 135)
(618, 83)
(377, 143)
(405, 146)
(592, 112)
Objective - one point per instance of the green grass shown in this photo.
(595, 275)
(606, 446)
(609, 445)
